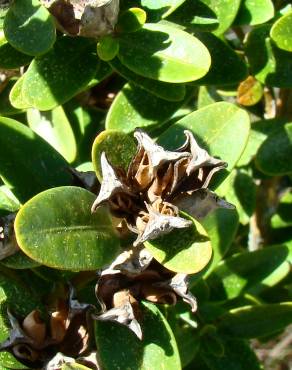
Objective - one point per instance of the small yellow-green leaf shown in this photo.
(118, 146)
(107, 48)
(183, 250)
(281, 32)
(131, 20)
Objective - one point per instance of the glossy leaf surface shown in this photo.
(63, 233)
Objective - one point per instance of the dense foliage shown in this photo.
(145, 182)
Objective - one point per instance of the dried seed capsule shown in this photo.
(89, 18)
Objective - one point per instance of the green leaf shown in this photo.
(107, 48)
(57, 76)
(16, 97)
(118, 347)
(163, 90)
(7, 359)
(208, 95)
(54, 127)
(195, 16)
(232, 71)
(29, 27)
(134, 107)
(6, 109)
(28, 165)
(256, 321)
(224, 132)
(164, 53)
(237, 274)
(11, 58)
(124, 150)
(269, 64)
(183, 250)
(254, 12)
(16, 296)
(260, 130)
(63, 233)
(281, 32)
(221, 226)
(273, 153)
(240, 190)
(237, 356)
(131, 20)
(74, 366)
(19, 261)
(8, 202)
(283, 216)
(158, 9)
(225, 11)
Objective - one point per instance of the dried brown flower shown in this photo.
(136, 276)
(34, 342)
(146, 194)
(89, 18)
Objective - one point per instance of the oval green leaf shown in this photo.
(57, 76)
(131, 20)
(254, 12)
(225, 11)
(224, 133)
(28, 164)
(16, 97)
(11, 58)
(273, 155)
(281, 32)
(163, 90)
(256, 321)
(269, 64)
(237, 274)
(124, 149)
(118, 347)
(232, 71)
(183, 250)
(134, 107)
(107, 48)
(158, 9)
(164, 53)
(29, 27)
(63, 233)
(54, 127)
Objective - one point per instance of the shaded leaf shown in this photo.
(272, 155)
(283, 216)
(119, 347)
(233, 69)
(256, 321)
(134, 107)
(164, 90)
(11, 58)
(254, 12)
(28, 164)
(269, 64)
(57, 76)
(237, 274)
(29, 27)
(54, 127)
